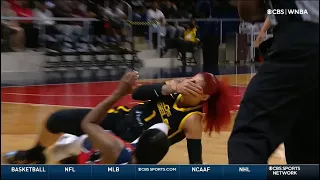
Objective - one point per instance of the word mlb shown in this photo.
(287, 11)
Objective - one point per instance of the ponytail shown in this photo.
(217, 109)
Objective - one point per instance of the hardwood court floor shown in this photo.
(23, 110)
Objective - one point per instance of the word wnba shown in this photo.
(287, 11)
(28, 169)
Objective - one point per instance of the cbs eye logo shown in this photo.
(276, 11)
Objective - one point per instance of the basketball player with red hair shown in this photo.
(183, 104)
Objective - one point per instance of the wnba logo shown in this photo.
(286, 11)
(297, 11)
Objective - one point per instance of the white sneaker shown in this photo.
(68, 145)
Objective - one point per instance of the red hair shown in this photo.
(217, 107)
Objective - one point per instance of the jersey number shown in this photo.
(164, 120)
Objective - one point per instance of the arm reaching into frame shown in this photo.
(106, 143)
(262, 32)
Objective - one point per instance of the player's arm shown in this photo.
(251, 11)
(155, 90)
(158, 90)
(106, 144)
(263, 31)
(193, 130)
(101, 140)
(266, 25)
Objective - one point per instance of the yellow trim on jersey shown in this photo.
(117, 110)
(112, 111)
(151, 116)
(175, 105)
(180, 128)
(123, 108)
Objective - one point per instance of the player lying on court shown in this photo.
(72, 149)
(179, 103)
(103, 147)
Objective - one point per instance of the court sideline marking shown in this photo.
(75, 95)
(56, 105)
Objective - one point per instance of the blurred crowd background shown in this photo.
(113, 17)
(94, 25)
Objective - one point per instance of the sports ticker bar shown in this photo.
(159, 172)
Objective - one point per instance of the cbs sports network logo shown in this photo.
(287, 11)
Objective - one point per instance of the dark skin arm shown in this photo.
(251, 11)
(107, 144)
(101, 140)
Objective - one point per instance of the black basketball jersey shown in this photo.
(165, 110)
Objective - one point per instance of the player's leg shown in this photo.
(66, 147)
(269, 108)
(70, 145)
(64, 121)
(122, 123)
